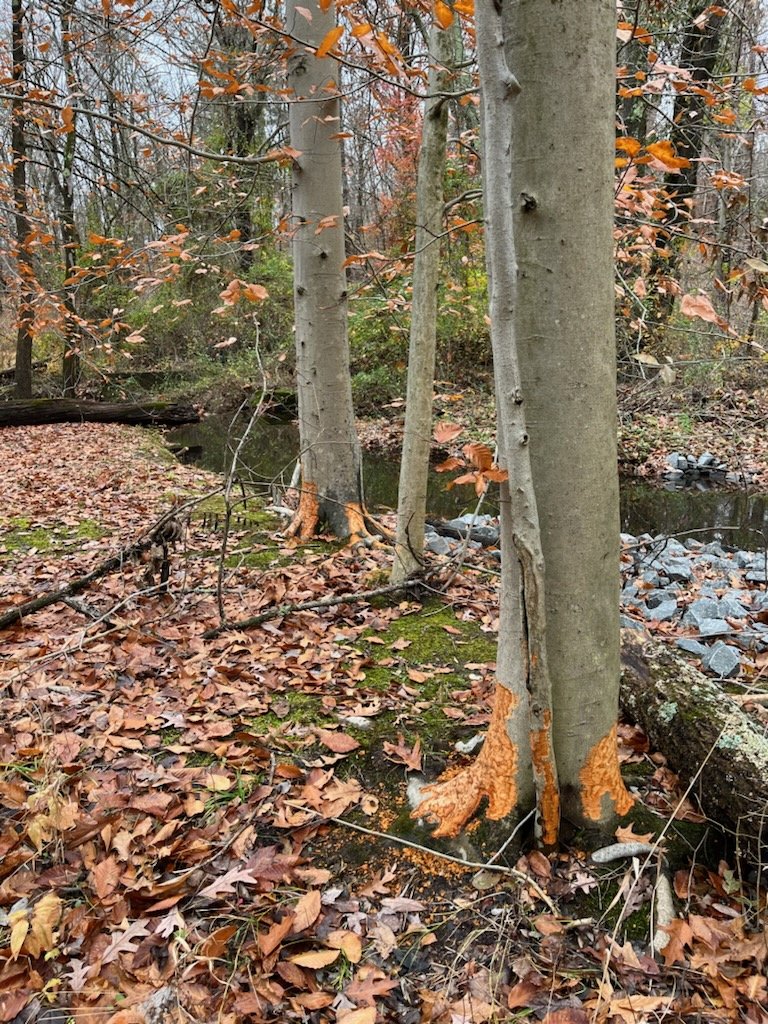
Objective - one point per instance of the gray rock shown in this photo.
(679, 569)
(650, 576)
(438, 545)
(756, 576)
(629, 623)
(744, 559)
(675, 458)
(714, 627)
(730, 609)
(674, 474)
(627, 539)
(628, 592)
(713, 548)
(692, 646)
(692, 544)
(722, 660)
(662, 612)
(704, 460)
(701, 610)
(653, 598)
(673, 547)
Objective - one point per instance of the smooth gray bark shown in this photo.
(25, 311)
(330, 453)
(523, 637)
(414, 466)
(562, 188)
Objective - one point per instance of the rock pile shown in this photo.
(715, 599)
(703, 470)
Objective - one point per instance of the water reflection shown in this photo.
(269, 454)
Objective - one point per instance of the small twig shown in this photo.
(279, 611)
(104, 568)
(501, 869)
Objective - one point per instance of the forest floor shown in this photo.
(207, 829)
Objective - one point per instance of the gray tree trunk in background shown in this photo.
(330, 453)
(24, 312)
(414, 466)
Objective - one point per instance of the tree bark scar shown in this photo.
(549, 808)
(600, 776)
(452, 801)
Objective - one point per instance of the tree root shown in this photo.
(452, 802)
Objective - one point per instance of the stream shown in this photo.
(737, 517)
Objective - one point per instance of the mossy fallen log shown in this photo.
(708, 739)
(36, 411)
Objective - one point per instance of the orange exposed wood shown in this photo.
(356, 522)
(452, 802)
(543, 765)
(600, 776)
(304, 523)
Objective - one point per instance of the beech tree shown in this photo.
(25, 314)
(549, 209)
(414, 467)
(331, 485)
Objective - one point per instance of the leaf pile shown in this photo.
(169, 845)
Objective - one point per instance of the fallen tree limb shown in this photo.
(109, 565)
(707, 738)
(279, 611)
(10, 373)
(37, 411)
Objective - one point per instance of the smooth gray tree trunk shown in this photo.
(25, 311)
(414, 466)
(562, 188)
(331, 491)
(548, 183)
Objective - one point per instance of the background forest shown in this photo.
(270, 750)
(146, 198)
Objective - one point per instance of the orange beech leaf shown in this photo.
(443, 14)
(365, 1015)
(627, 145)
(664, 152)
(329, 41)
(449, 464)
(363, 29)
(325, 4)
(446, 431)
(700, 306)
(348, 942)
(479, 455)
(466, 8)
(338, 742)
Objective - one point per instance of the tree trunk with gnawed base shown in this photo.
(331, 485)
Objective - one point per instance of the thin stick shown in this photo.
(278, 611)
(501, 869)
(109, 565)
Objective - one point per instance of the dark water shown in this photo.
(269, 455)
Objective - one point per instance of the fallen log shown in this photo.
(707, 738)
(10, 372)
(36, 411)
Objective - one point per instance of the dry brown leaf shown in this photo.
(316, 959)
(306, 911)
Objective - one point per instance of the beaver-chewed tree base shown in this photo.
(707, 737)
